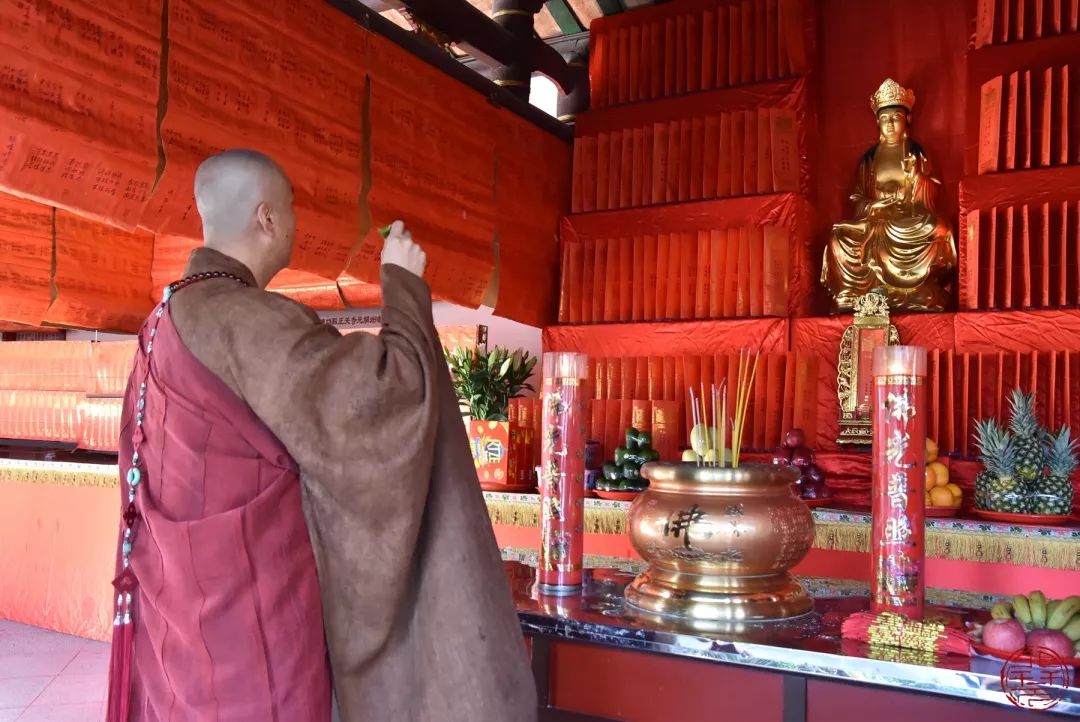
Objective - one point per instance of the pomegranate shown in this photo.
(1005, 635)
(802, 457)
(794, 439)
(1051, 639)
(782, 457)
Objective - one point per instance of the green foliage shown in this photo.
(485, 381)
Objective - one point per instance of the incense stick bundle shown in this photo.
(696, 418)
(748, 366)
(896, 631)
(709, 438)
(715, 426)
(712, 428)
(723, 422)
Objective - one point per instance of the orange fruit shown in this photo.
(931, 449)
(941, 473)
(927, 500)
(940, 496)
(931, 477)
(957, 492)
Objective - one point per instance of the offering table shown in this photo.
(595, 660)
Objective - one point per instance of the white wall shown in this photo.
(95, 336)
(544, 94)
(501, 331)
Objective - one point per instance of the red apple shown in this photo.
(1005, 635)
(794, 439)
(782, 457)
(814, 474)
(1051, 639)
(802, 457)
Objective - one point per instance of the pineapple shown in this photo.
(984, 439)
(999, 487)
(1030, 438)
(1055, 496)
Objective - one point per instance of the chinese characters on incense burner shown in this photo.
(897, 549)
(896, 244)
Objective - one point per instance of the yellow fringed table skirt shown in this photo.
(960, 540)
(57, 473)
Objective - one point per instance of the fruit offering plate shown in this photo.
(617, 495)
(982, 650)
(939, 512)
(1033, 519)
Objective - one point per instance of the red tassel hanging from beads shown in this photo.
(123, 650)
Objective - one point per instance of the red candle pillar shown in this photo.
(562, 472)
(897, 550)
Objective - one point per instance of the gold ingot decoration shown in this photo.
(719, 542)
(870, 329)
(896, 244)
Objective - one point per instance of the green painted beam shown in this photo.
(564, 17)
(610, 7)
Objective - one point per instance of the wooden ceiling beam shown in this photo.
(438, 58)
(478, 35)
(382, 6)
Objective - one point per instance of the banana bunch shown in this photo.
(1034, 611)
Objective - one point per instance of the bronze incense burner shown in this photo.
(719, 542)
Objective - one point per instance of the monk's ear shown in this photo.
(264, 216)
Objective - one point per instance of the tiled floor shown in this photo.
(50, 677)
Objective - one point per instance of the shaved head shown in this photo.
(245, 202)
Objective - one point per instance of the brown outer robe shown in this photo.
(420, 623)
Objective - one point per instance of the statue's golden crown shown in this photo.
(892, 93)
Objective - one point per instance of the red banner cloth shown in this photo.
(26, 244)
(101, 277)
(79, 105)
(299, 98)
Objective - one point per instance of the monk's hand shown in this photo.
(400, 250)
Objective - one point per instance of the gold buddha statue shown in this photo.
(897, 245)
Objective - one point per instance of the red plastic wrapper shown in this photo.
(897, 551)
(562, 477)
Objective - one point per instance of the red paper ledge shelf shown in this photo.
(620, 72)
(784, 93)
(669, 338)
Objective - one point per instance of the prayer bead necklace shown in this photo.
(135, 473)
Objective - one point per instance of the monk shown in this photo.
(291, 496)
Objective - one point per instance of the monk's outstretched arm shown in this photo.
(333, 399)
(359, 413)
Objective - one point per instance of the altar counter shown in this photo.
(595, 661)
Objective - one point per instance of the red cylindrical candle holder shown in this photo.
(897, 551)
(562, 472)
